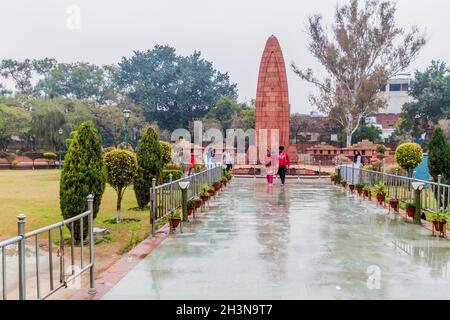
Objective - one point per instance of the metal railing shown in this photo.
(166, 198)
(434, 196)
(73, 224)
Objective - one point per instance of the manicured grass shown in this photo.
(36, 194)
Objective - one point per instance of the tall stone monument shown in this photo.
(272, 99)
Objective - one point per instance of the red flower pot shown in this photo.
(351, 187)
(394, 204)
(190, 211)
(198, 203)
(381, 197)
(360, 190)
(204, 198)
(174, 222)
(410, 212)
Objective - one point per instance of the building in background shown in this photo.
(396, 93)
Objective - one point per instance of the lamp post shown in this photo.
(418, 187)
(184, 185)
(126, 114)
(60, 131)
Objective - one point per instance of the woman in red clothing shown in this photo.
(283, 164)
(270, 166)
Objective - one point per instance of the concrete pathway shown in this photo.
(307, 240)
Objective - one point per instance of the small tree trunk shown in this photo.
(349, 140)
(119, 203)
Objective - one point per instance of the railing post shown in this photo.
(92, 290)
(439, 191)
(170, 191)
(320, 167)
(22, 280)
(153, 205)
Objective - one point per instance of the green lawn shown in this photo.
(36, 194)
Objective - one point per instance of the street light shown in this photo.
(418, 187)
(60, 131)
(184, 185)
(126, 114)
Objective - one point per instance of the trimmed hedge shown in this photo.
(176, 175)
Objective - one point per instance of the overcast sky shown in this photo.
(230, 33)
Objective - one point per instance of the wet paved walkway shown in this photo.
(307, 240)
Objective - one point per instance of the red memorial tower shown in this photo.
(272, 99)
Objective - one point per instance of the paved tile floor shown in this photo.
(307, 240)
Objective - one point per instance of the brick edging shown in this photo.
(110, 277)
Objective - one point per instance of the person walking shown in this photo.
(227, 160)
(283, 164)
(270, 165)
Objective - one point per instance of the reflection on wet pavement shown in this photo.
(306, 240)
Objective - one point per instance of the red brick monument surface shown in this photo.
(272, 100)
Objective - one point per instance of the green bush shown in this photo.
(176, 175)
(50, 155)
(166, 152)
(149, 161)
(83, 174)
(392, 169)
(408, 156)
(121, 168)
(439, 162)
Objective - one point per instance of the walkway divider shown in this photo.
(435, 195)
(167, 198)
(77, 225)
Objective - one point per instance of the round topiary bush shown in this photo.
(121, 168)
(83, 174)
(408, 156)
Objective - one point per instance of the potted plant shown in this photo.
(211, 191)
(224, 180)
(351, 187)
(198, 202)
(333, 176)
(359, 188)
(410, 208)
(190, 206)
(440, 219)
(343, 183)
(174, 221)
(216, 186)
(394, 204)
(204, 195)
(367, 192)
(380, 190)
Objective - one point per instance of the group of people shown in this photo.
(276, 163)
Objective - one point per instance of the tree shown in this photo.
(79, 80)
(439, 161)
(45, 125)
(295, 126)
(166, 152)
(408, 156)
(83, 174)
(149, 159)
(365, 132)
(431, 99)
(121, 168)
(172, 89)
(367, 49)
(21, 72)
(14, 121)
(223, 111)
(34, 155)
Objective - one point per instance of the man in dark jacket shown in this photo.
(283, 164)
